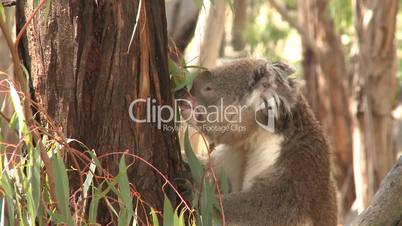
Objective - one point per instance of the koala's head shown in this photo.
(233, 100)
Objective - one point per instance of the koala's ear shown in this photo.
(279, 70)
(276, 71)
(256, 76)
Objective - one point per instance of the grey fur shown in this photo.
(296, 190)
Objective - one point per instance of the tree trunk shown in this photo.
(209, 33)
(376, 73)
(182, 16)
(326, 81)
(386, 206)
(85, 78)
(239, 24)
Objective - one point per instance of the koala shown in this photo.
(267, 140)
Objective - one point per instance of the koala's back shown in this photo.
(294, 187)
(284, 198)
(297, 189)
(276, 206)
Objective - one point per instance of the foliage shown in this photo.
(34, 184)
(206, 184)
(26, 192)
(182, 76)
(27, 195)
(341, 12)
(34, 191)
(265, 30)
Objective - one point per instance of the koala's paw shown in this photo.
(185, 187)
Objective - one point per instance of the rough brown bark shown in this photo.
(326, 81)
(86, 80)
(376, 92)
(385, 208)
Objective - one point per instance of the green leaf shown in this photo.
(93, 207)
(13, 122)
(224, 181)
(176, 220)
(173, 68)
(189, 79)
(9, 194)
(33, 186)
(18, 200)
(15, 99)
(155, 220)
(2, 210)
(181, 219)
(207, 203)
(195, 165)
(41, 214)
(126, 201)
(58, 218)
(2, 13)
(181, 77)
(167, 212)
(178, 79)
(62, 188)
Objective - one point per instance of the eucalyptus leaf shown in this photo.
(195, 165)
(167, 212)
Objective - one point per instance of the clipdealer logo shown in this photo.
(165, 115)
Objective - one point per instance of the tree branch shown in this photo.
(386, 206)
(307, 39)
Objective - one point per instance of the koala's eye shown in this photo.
(208, 88)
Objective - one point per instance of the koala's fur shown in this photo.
(278, 178)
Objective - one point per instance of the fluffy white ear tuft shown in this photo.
(280, 69)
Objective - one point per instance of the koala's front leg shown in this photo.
(185, 183)
(232, 161)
